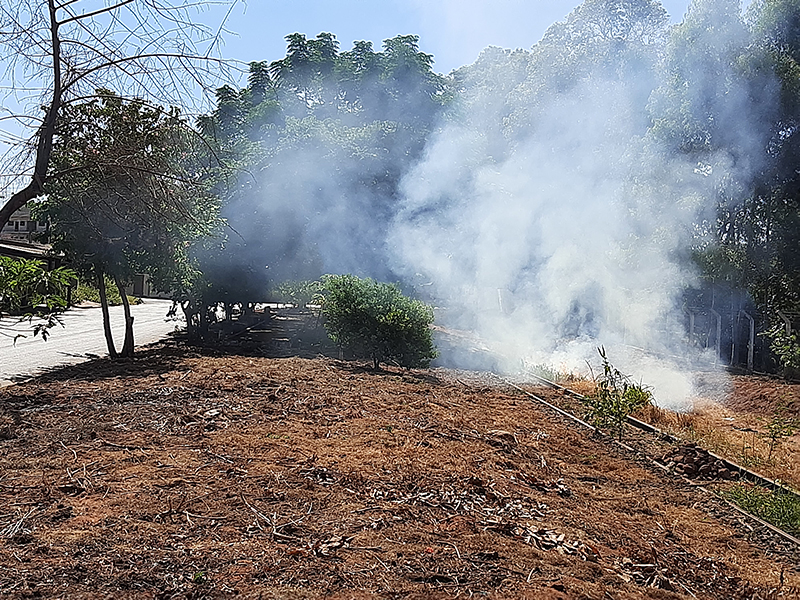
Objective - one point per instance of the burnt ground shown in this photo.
(202, 474)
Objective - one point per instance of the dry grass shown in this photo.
(181, 475)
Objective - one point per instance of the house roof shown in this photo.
(27, 250)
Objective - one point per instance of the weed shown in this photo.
(199, 578)
(782, 509)
(615, 399)
(778, 428)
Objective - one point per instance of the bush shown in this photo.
(28, 290)
(786, 347)
(88, 292)
(616, 399)
(299, 293)
(375, 320)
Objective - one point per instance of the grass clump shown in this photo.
(779, 508)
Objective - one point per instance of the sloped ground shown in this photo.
(181, 475)
(731, 417)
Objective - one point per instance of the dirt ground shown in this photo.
(188, 474)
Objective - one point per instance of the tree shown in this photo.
(375, 320)
(130, 197)
(722, 67)
(74, 47)
(321, 140)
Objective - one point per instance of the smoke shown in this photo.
(555, 205)
(553, 222)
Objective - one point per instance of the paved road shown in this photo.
(80, 339)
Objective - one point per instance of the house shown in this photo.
(20, 228)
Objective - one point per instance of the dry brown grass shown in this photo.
(181, 475)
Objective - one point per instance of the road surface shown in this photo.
(80, 339)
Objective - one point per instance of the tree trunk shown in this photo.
(189, 313)
(127, 345)
(44, 143)
(101, 287)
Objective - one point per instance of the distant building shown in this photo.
(18, 240)
(20, 228)
(18, 249)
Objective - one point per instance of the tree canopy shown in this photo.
(128, 193)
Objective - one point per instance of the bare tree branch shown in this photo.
(95, 13)
(132, 47)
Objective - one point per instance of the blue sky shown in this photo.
(454, 31)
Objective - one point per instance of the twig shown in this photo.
(367, 509)
(123, 447)
(687, 589)
(74, 454)
(211, 518)
(265, 518)
(454, 548)
(383, 564)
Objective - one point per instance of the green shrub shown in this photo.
(375, 320)
(88, 292)
(616, 399)
(299, 293)
(786, 347)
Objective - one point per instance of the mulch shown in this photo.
(199, 474)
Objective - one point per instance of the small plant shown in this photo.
(375, 320)
(778, 428)
(199, 578)
(786, 347)
(780, 508)
(615, 399)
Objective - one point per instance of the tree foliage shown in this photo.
(321, 139)
(128, 194)
(67, 50)
(376, 321)
(29, 291)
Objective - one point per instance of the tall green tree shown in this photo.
(128, 194)
(721, 68)
(321, 139)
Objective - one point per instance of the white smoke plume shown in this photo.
(567, 237)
